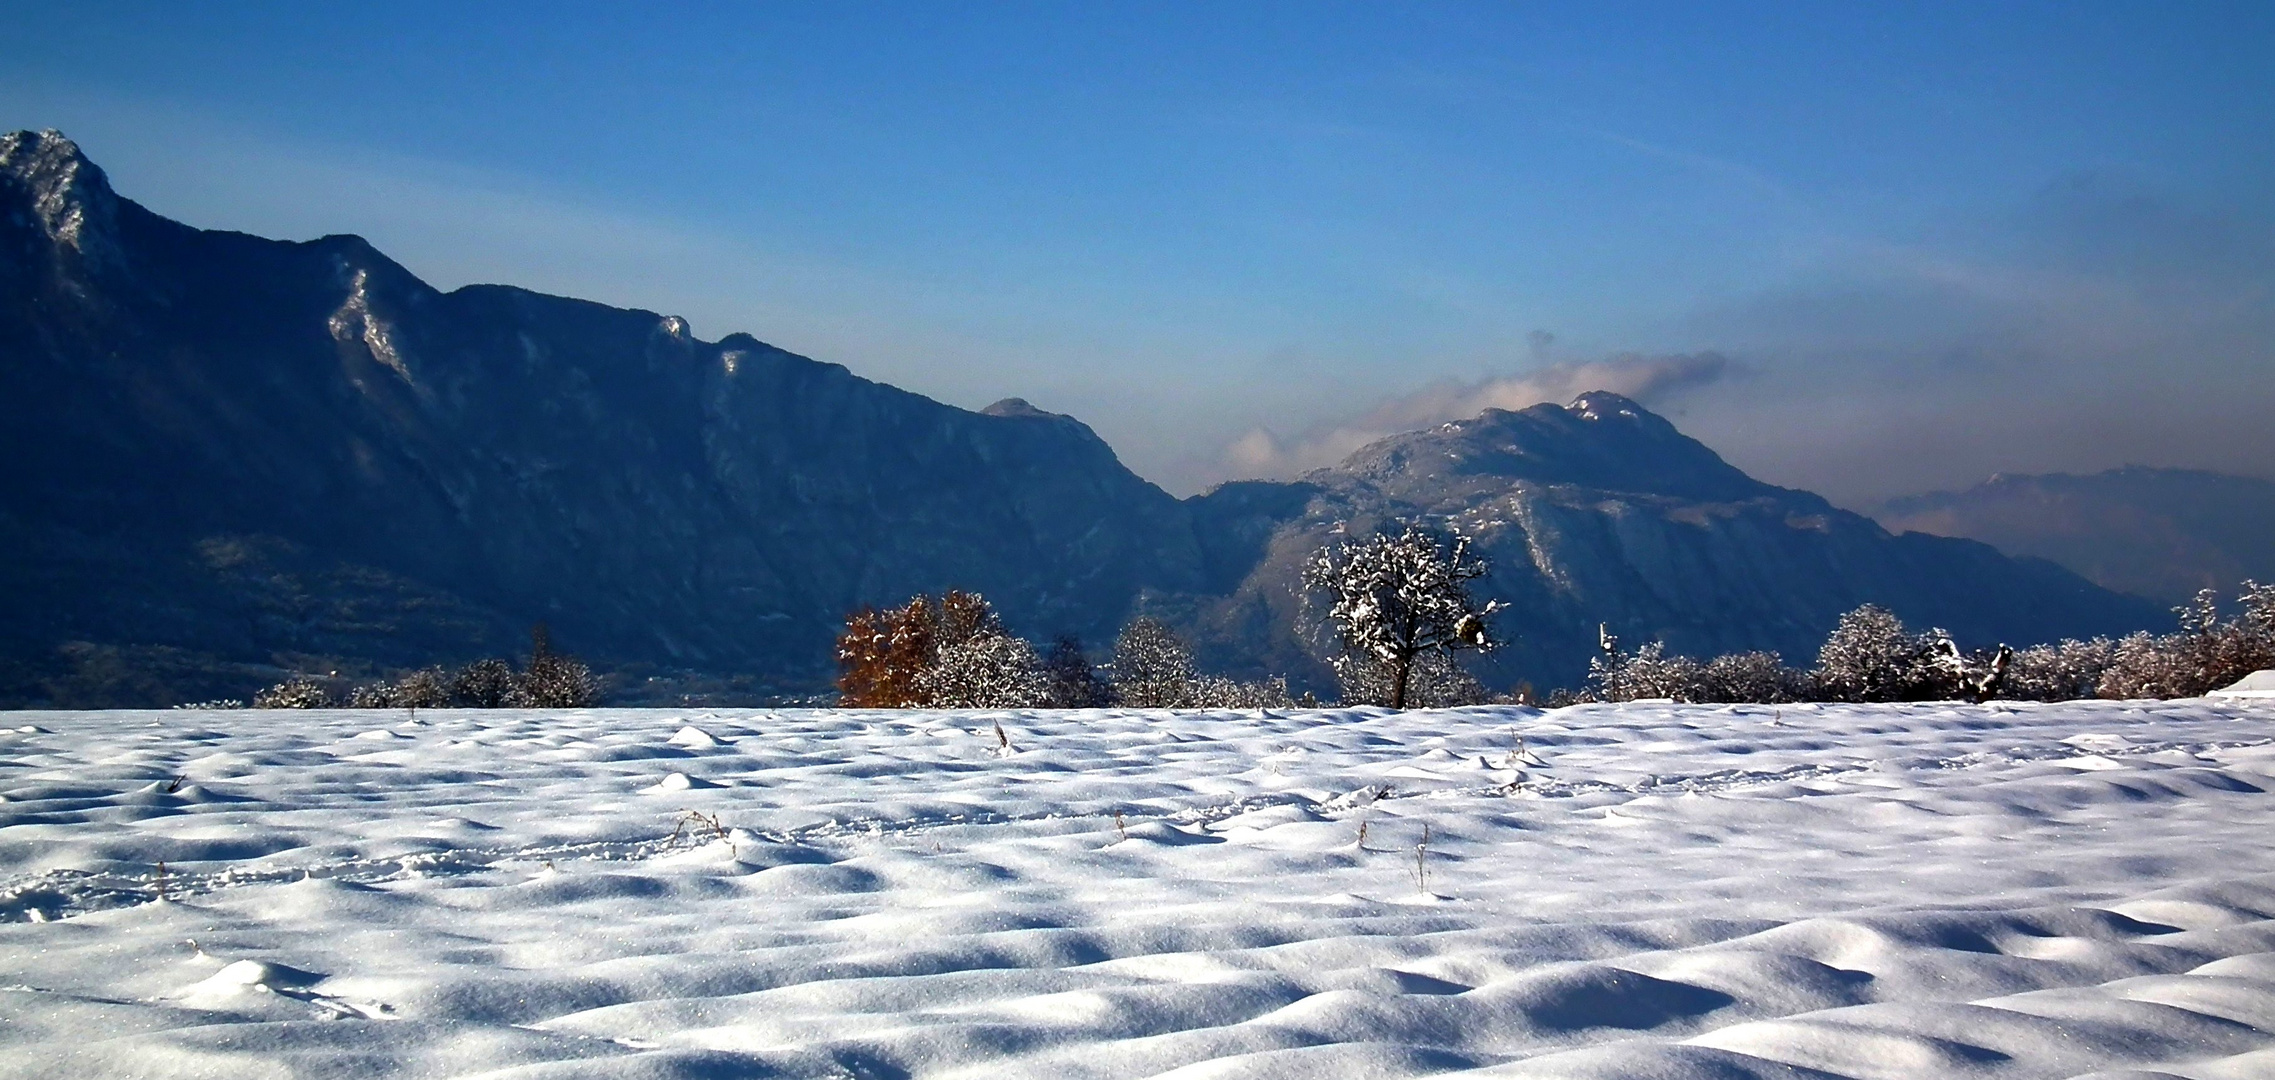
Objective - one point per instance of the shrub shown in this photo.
(2064, 671)
(1219, 692)
(378, 695)
(2208, 652)
(426, 688)
(1435, 681)
(1751, 677)
(295, 693)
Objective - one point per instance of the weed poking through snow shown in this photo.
(1422, 861)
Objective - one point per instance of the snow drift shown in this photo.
(1603, 891)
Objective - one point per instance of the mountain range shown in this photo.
(231, 457)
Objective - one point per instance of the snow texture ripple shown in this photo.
(1604, 891)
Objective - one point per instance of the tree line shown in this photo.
(1396, 610)
(549, 680)
(952, 652)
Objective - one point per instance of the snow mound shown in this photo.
(693, 738)
(2258, 684)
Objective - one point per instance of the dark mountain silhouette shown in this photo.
(2158, 533)
(245, 448)
(229, 456)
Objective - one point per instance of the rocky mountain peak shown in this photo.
(1603, 404)
(66, 193)
(1012, 406)
(1601, 440)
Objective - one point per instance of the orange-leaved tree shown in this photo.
(881, 653)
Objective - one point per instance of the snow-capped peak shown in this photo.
(68, 194)
(1601, 404)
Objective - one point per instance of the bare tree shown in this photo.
(1073, 682)
(1394, 600)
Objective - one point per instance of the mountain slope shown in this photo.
(2158, 533)
(497, 454)
(1601, 512)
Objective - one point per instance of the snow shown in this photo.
(2258, 684)
(1659, 890)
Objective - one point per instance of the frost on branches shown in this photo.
(985, 671)
(551, 680)
(1153, 667)
(946, 653)
(1396, 600)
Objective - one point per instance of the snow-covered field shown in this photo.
(1635, 891)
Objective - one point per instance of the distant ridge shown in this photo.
(2158, 533)
(231, 456)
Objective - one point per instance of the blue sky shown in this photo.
(1920, 243)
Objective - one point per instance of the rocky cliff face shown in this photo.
(1601, 512)
(226, 454)
(251, 448)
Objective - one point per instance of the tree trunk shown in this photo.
(1398, 682)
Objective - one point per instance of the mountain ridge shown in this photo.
(273, 454)
(656, 497)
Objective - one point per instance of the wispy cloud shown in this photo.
(1260, 453)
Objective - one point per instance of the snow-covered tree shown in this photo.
(985, 671)
(2207, 653)
(553, 680)
(1436, 681)
(1153, 667)
(1394, 599)
(2258, 602)
(295, 693)
(2065, 671)
(1757, 677)
(2146, 665)
(483, 684)
(1871, 656)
